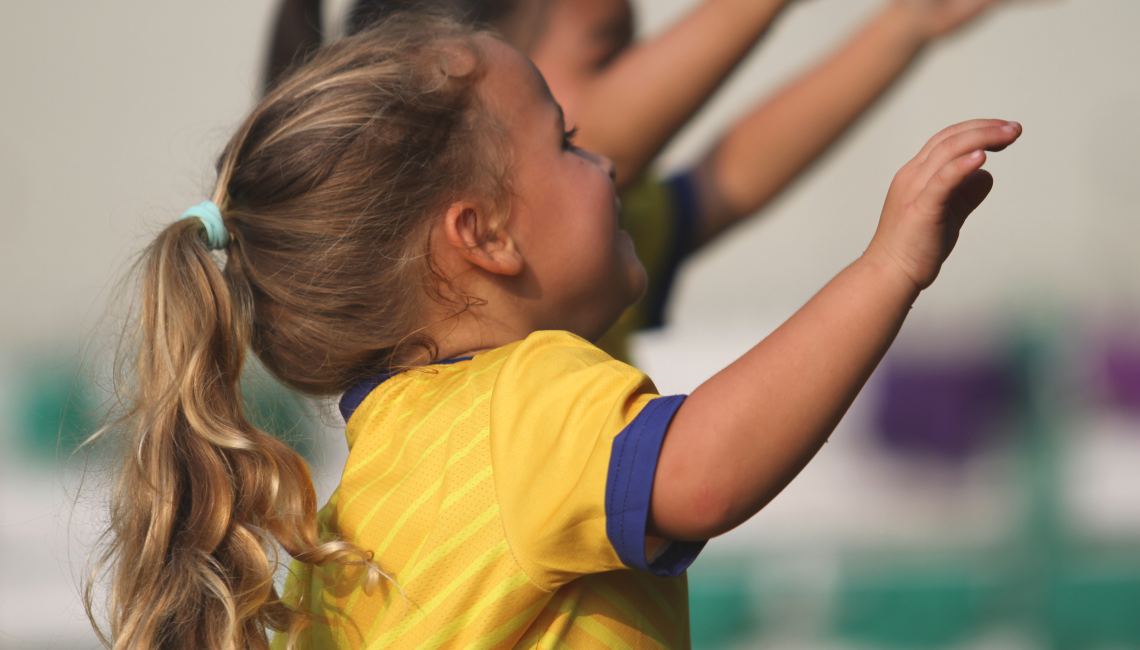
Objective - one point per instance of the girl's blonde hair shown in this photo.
(328, 191)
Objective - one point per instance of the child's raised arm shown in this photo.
(632, 108)
(768, 148)
(745, 433)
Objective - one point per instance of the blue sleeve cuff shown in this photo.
(685, 214)
(629, 487)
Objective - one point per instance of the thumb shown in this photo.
(968, 196)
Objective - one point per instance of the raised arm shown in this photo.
(296, 33)
(740, 438)
(772, 145)
(631, 109)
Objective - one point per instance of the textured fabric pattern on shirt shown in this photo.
(437, 460)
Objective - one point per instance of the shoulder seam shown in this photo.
(498, 500)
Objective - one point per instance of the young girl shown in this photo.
(404, 221)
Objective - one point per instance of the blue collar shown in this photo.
(354, 396)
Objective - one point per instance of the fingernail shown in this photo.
(976, 154)
(1012, 126)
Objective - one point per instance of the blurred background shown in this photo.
(983, 492)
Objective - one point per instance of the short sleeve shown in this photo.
(575, 436)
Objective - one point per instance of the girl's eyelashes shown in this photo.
(568, 138)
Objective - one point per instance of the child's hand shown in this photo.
(938, 17)
(932, 195)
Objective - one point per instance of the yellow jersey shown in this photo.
(506, 496)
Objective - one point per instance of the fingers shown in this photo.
(935, 197)
(954, 130)
(969, 194)
(989, 137)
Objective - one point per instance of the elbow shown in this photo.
(715, 512)
(706, 512)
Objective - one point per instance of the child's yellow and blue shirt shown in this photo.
(507, 497)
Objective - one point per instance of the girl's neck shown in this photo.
(453, 343)
(463, 355)
(471, 332)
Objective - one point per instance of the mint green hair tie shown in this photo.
(217, 237)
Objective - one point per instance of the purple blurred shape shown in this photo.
(1122, 373)
(945, 412)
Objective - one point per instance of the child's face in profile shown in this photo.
(580, 270)
(579, 39)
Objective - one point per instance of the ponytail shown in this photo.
(327, 194)
(204, 497)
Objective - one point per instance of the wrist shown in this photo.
(889, 274)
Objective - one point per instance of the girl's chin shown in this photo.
(625, 244)
(639, 279)
(631, 270)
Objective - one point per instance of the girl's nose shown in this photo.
(602, 161)
(608, 165)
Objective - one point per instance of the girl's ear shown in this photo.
(470, 230)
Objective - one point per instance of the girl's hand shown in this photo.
(936, 18)
(932, 195)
